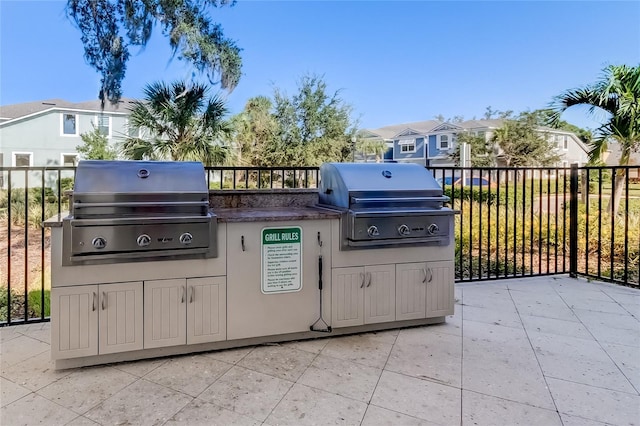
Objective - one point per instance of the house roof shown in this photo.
(388, 132)
(16, 111)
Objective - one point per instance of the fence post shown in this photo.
(573, 221)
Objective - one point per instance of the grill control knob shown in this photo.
(433, 229)
(404, 230)
(99, 243)
(143, 240)
(186, 238)
(373, 231)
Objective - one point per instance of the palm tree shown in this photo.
(617, 95)
(376, 147)
(181, 123)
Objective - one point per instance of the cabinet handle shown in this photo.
(242, 242)
(368, 274)
(182, 294)
(430, 275)
(361, 279)
(93, 303)
(104, 300)
(424, 270)
(191, 291)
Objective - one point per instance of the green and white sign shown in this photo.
(281, 260)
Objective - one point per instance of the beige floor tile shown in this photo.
(306, 406)
(188, 374)
(362, 348)
(479, 409)
(499, 335)
(87, 387)
(608, 320)
(10, 391)
(199, 412)
(279, 361)
(81, 421)
(556, 326)
(142, 367)
(594, 403)
(141, 403)
(568, 420)
(35, 410)
(314, 346)
(20, 349)
(231, 356)
(627, 358)
(8, 333)
(35, 373)
(492, 316)
(508, 372)
(578, 360)
(431, 356)
(247, 392)
(345, 378)
(376, 416)
(418, 398)
(42, 333)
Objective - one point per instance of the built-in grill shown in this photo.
(386, 204)
(128, 211)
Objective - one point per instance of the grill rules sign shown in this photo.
(281, 260)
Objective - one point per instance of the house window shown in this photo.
(22, 159)
(407, 145)
(443, 142)
(565, 143)
(69, 124)
(69, 160)
(103, 123)
(481, 133)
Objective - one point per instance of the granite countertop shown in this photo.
(274, 214)
(55, 221)
(267, 214)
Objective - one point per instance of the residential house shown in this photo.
(612, 158)
(46, 133)
(432, 142)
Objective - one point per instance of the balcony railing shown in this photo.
(513, 222)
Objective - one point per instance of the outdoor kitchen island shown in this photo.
(275, 250)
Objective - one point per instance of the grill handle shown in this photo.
(357, 200)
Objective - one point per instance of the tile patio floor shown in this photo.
(536, 351)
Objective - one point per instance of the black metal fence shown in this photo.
(513, 222)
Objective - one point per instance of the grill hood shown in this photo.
(364, 185)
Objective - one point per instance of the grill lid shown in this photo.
(368, 185)
(139, 188)
(138, 177)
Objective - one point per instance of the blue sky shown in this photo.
(393, 61)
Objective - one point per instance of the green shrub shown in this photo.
(35, 303)
(16, 307)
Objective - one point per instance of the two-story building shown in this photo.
(46, 133)
(432, 142)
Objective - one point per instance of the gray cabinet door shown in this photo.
(380, 294)
(165, 313)
(74, 321)
(347, 296)
(411, 290)
(206, 309)
(440, 299)
(121, 317)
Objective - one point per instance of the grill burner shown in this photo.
(127, 211)
(386, 204)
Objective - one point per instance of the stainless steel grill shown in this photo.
(128, 211)
(386, 204)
